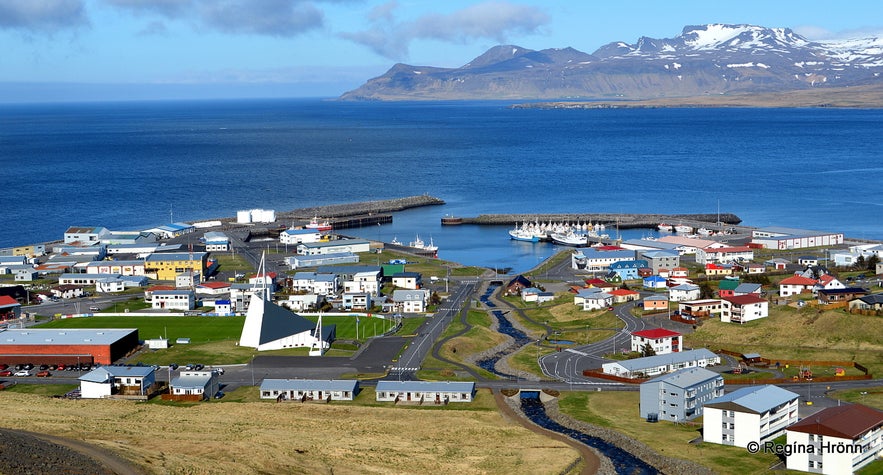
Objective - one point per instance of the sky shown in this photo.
(87, 50)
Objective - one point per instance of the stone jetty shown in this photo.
(361, 208)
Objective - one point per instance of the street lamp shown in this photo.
(252, 370)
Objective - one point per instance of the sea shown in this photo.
(136, 165)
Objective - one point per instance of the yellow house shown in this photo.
(167, 266)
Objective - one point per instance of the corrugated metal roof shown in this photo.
(67, 336)
(756, 399)
(687, 377)
(308, 385)
(638, 364)
(427, 386)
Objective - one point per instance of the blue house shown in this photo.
(627, 270)
(655, 282)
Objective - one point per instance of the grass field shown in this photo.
(240, 435)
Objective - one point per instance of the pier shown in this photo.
(610, 220)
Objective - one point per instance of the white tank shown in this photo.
(263, 215)
(243, 217)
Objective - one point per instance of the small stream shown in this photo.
(623, 462)
(505, 327)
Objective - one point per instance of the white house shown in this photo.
(744, 308)
(108, 380)
(425, 392)
(365, 281)
(309, 389)
(796, 285)
(836, 440)
(410, 301)
(749, 414)
(334, 247)
(303, 302)
(596, 300)
(683, 292)
(173, 300)
(316, 283)
(216, 241)
(407, 280)
(649, 366)
(724, 254)
(661, 340)
(85, 234)
(298, 236)
(202, 383)
(592, 259)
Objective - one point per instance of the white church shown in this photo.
(271, 327)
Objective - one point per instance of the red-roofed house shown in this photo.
(840, 439)
(718, 269)
(661, 340)
(148, 294)
(213, 288)
(624, 295)
(600, 283)
(9, 308)
(679, 272)
(828, 282)
(744, 308)
(796, 285)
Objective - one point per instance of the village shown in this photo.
(310, 293)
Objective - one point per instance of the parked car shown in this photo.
(23, 373)
(3, 366)
(94, 308)
(62, 367)
(44, 374)
(219, 370)
(44, 367)
(5, 373)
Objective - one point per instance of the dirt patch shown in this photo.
(27, 453)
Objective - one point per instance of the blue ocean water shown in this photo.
(138, 165)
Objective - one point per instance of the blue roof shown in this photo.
(687, 377)
(654, 278)
(660, 253)
(757, 399)
(297, 232)
(638, 364)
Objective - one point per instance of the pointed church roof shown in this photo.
(266, 322)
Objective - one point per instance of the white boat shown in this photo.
(523, 234)
(665, 227)
(420, 244)
(683, 228)
(570, 239)
(703, 231)
(395, 241)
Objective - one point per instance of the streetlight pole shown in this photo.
(252, 370)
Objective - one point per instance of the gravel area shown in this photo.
(26, 454)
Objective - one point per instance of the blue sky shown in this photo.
(68, 50)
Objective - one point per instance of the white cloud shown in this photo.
(489, 20)
(42, 15)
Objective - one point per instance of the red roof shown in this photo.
(730, 249)
(6, 300)
(656, 333)
(609, 248)
(215, 285)
(598, 282)
(161, 287)
(622, 292)
(798, 280)
(845, 422)
(744, 299)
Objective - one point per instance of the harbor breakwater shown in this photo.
(361, 208)
(623, 220)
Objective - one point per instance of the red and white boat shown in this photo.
(319, 226)
(665, 227)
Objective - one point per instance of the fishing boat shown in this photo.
(319, 226)
(395, 241)
(703, 231)
(524, 233)
(683, 228)
(424, 248)
(570, 239)
(665, 227)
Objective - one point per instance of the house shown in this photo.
(298, 236)
(624, 295)
(303, 302)
(660, 259)
(581, 295)
(679, 396)
(84, 234)
(369, 281)
(679, 273)
(661, 340)
(517, 284)
(744, 308)
(655, 282)
(9, 308)
(749, 414)
(777, 263)
(595, 300)
(67, 291)
(408, 280)
(410, 301)
(808, 261)
(836, 440)
(867, 302)
(688, 245)
(782, 238)
(312, 282)
(354, 246)
(106, 381)
(754, 268)
(167, 265)
(599, 284)
(309, 389)
(530, 294)
(270, 327)
(724, 254)
(650, 366)
(26, 274)
(216, 241)
(425, 392)
(122, 267)
(356, 301)
(203, 384)
(223, 308)
(699, 308)
(827, 282)
(841, 295)
(187, 280)
(748, 288)
(727, 287)
(173, 300)
(627, 270)
(213, 288)
(680, 293)
(591, 259)
(796, 285)
(655, 302)
(715, 269)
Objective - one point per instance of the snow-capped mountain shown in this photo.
(702, 60)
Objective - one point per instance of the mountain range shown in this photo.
(706, 60)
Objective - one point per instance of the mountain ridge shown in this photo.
(704, 60)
